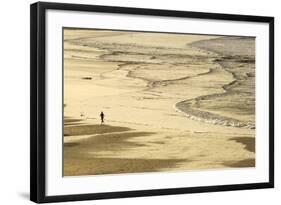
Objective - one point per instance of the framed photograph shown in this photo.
(129, 102)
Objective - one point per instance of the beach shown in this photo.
(172, 102)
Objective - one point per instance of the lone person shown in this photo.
(102, 117)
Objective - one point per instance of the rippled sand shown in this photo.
(171, 102)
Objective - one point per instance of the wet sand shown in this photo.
(171, 102)
(78, 162)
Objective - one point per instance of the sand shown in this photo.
(172, 102)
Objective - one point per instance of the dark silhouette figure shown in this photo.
(102, 117)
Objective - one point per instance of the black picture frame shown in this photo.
(38, 101)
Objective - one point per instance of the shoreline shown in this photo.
(185, 106)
